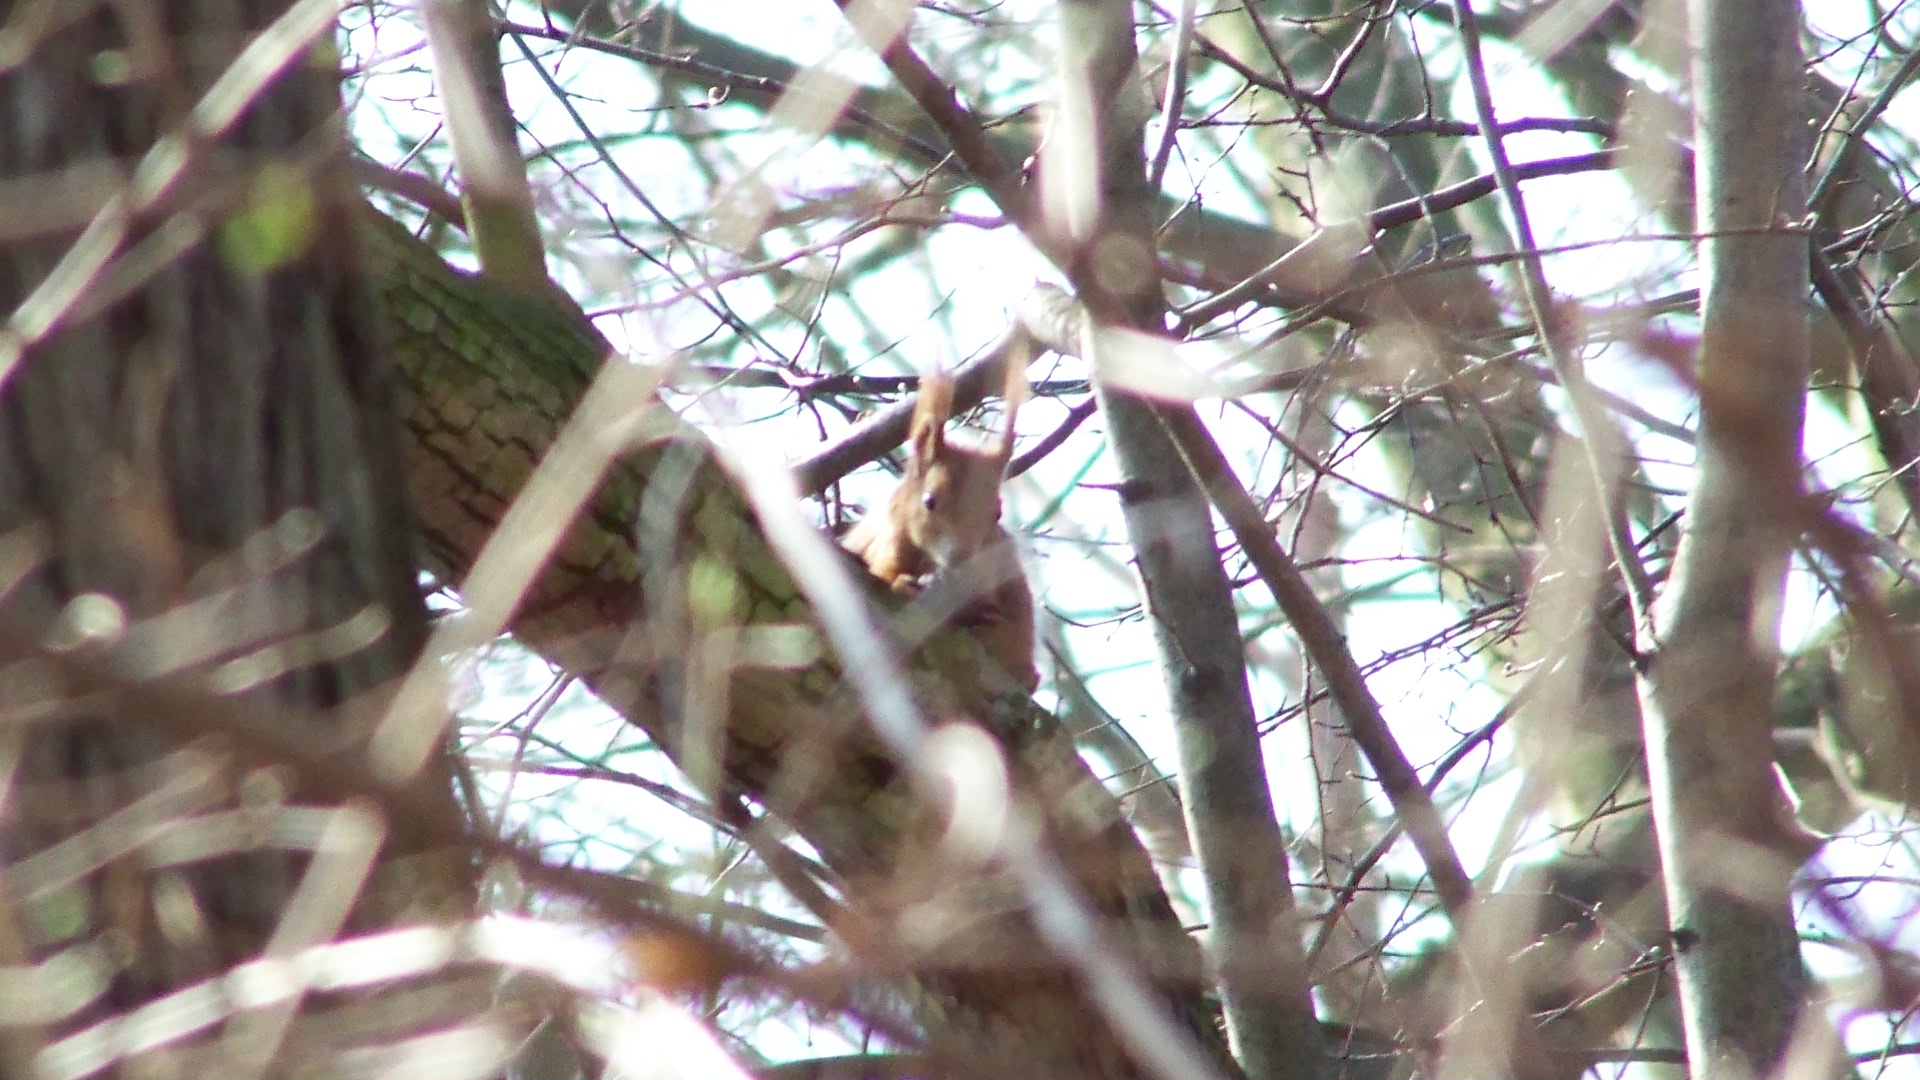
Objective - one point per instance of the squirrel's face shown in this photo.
(948, 504)
(957, 511)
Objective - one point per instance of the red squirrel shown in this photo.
(945, 514)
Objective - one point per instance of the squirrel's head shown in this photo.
(949, 501)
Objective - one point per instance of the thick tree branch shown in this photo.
(484, 403)
(1100, 226)
(1725, 838)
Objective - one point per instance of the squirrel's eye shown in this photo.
(930, 500)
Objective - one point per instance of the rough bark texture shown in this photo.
(199, 466)
(487, 378)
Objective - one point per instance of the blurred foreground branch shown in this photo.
(486, 380)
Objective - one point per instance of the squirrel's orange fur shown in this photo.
(945, 514)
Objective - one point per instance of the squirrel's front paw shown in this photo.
(909, 585)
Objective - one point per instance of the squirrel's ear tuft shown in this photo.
(1014, 391)
(930, 412)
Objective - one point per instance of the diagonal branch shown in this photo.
(486, 379)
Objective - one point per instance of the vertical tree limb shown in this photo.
(200, 439)
(486, 148)
(1706, 695)
(1254, 938)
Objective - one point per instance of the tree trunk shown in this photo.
(201, 490)
(1721, 819)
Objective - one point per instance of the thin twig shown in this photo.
(1175, 101)
(1328, 647)
(1602, 442)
